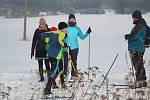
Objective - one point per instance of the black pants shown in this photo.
(53, 62)
(137, 62)
(46, 61)
(73, 54)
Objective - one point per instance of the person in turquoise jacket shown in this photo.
(136, 47)
(71, 40)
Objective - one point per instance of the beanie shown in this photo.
(137, 14)
(72, 16)
(42, 21)
(53, 29)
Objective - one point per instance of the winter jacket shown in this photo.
(136, 39)
(56, 42)
(73, 32)
(38, 45)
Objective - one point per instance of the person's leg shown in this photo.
(51, 77)
(47, 89)
(134, 61)
(40, 62)
(47, 64)
(74, 55)
(61, 73)
(53, 67)
(141, 69)
(141, 75)
(65, 60)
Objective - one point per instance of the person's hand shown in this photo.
(65, 45)
(89, 30)
(126, 36)
(32, 54)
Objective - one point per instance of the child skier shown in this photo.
(56, 42)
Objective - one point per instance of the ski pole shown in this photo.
(126, 59)
(105, 77)
(89, 53)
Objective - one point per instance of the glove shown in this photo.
(65, 45)
(127, 36)
(32, 54)
(89, 30)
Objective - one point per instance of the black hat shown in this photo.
(72, 16)
(62, 25)
(137, 14)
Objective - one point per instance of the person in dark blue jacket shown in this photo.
(71, 40)
(136, 47)
(56, 43)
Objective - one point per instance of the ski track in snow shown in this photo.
(19, 80)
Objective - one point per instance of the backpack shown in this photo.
(147, 38)
(41, 41)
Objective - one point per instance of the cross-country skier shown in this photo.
(136, 47)
(56, 43)
(39, 47)
(73, 32)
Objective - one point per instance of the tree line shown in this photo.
(16, 7)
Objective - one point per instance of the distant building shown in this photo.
(42, 14)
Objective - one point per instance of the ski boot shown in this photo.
(64, 86)
(75, 74)
(41, 74)
(54, 85)
(145, 84)
(42, 79)
(65, 78)
(142, 83)
(133, 85)
(47, 89)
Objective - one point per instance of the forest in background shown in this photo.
(15, 8)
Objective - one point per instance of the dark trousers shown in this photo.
(73, 54)
(138, 64)
(46, 61)
(53, 62)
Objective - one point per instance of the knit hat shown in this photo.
(42, 21)
(72, 16)
(137, 14)
(62, 25)
(53, 29)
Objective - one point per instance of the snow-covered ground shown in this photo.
(107, 39)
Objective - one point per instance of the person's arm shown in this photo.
(45, 35)
(34, 42)
(61, 38)
(140, 34)
(131, 35)
(81, 35)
